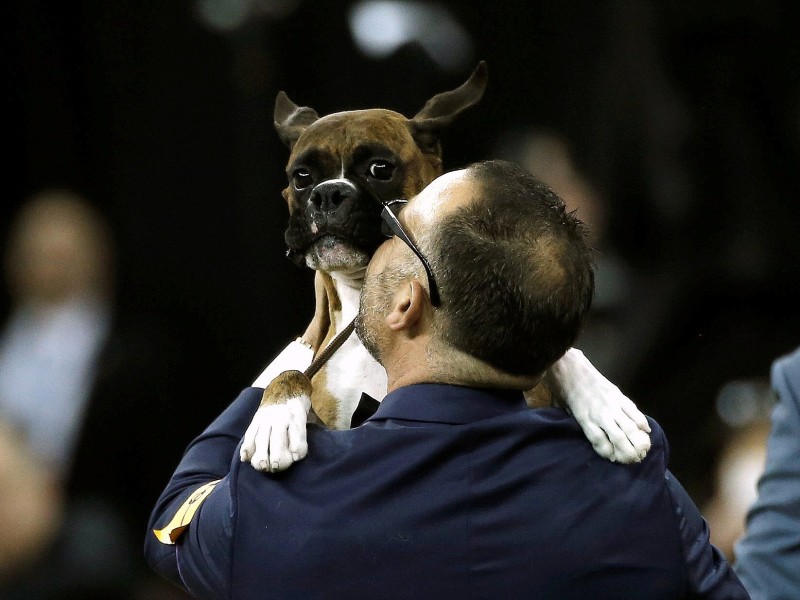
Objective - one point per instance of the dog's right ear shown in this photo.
(440, 111)
(291, 120)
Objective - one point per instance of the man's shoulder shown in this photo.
(555, 425)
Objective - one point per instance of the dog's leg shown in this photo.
(276, 437)
(613, 424)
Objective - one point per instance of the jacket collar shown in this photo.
(452, 404)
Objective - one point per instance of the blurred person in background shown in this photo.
(768, 556)
(59, 265)
(75, 412)
(31, 504)
(739, 466)
(58, 268)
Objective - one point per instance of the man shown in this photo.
(768, 556)
(453, 488)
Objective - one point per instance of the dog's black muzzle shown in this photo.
(339, 208)
(332, 199)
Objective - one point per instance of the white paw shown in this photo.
(276, 437)
(616, 429)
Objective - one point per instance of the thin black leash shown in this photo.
(323, 356)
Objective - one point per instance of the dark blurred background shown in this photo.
(674, 127)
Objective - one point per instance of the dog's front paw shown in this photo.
(613, 424)
(276, 437)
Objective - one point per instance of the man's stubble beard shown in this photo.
(372, 308)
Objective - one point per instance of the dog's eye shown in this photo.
(380, 169)
(301, 179)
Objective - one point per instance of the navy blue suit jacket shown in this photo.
(446, 492)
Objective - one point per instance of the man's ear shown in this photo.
(408, 306)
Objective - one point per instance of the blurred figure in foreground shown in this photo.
(74, 452)
(768, 556)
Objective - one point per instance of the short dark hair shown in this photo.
(516, 272)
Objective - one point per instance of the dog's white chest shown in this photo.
(351, 370)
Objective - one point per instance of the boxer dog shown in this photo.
(342, 167)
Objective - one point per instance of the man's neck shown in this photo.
(415, 362)
(408, 364)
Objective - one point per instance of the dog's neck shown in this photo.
(348, 287)
(350, 277)
(351, 370)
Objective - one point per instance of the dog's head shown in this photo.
(344, 165)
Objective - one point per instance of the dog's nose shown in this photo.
(328, 196)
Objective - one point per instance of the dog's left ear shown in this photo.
(440, 111)
(291, 120)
